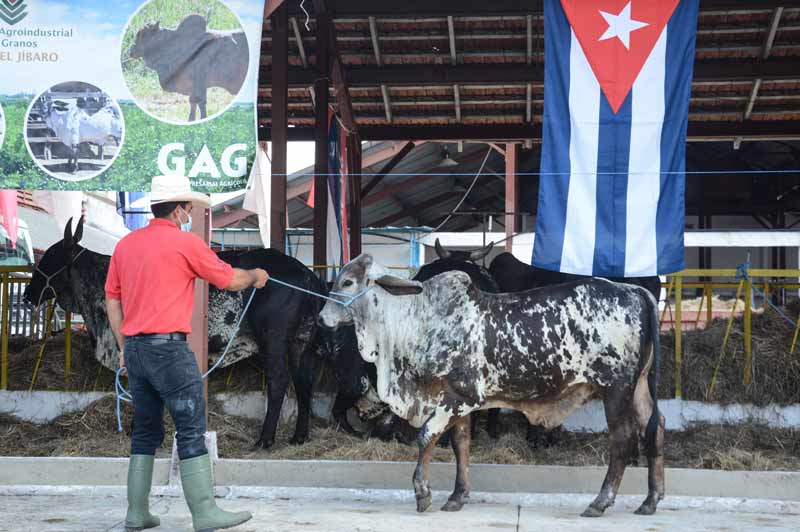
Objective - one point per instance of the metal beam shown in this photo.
(410, 212)
(500, 74)
(376, 47)
(231, 218)
(299, 41)
(765, 51)
(451, 31)
(388, 167)
(457, 97)
(387, 104)
(529, 38)
(394, 189)
(280, 125)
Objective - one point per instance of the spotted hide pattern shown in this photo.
(444, 349)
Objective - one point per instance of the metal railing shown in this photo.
(22, 319)
(770, 279)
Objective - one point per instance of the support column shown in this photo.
(354, 208)
(512, 193)
(280, 125)
(198, 339)
(321, 170)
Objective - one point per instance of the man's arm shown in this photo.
(114, 311)
(246, 278)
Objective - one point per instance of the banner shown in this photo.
(106, 95)
(618, 77)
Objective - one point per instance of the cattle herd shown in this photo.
(430, 351)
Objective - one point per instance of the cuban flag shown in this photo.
(617, 83)
(135, 217)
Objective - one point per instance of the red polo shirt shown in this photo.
(153, 271)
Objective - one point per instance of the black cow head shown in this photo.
(145, 40)
(340, 347)
(55, 267)
(450, 260)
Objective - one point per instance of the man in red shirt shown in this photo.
(149, 300)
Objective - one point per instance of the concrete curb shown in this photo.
(92, 472)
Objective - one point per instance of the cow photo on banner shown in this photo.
(618, 77)
(104, 96)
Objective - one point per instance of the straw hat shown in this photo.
(173, 188)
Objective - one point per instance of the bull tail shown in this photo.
(651, 432)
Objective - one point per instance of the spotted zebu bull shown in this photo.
(444, 349)
(280, 320)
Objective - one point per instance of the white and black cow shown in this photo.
(444, 349)
(280, 320)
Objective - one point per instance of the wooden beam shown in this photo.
(354, 208)
(774, 68)
(388, 167)
(271, 6)
(698, 131)
(340, 91)
(512, 195)
(280, 126)
(321, 141)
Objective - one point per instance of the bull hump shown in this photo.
(192, 25)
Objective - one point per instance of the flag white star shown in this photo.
(621, 26)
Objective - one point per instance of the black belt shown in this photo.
(166, 336)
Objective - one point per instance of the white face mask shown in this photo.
(186, 226)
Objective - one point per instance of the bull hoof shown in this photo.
(591, 511)
(299, 439)
(423, 503)
(453, 505)
(648, 507)
(263, 445)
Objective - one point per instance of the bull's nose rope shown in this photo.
(123, 395)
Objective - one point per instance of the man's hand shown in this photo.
(260, 277)
(122, 362)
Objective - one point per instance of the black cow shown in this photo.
(280, 320)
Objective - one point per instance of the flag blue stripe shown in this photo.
(671, 209)
(612, 187)
(551, 214)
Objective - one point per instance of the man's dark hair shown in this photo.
(162, 210)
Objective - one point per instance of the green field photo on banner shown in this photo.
(104, 97)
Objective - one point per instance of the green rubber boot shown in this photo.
(199, 493)
(140, 477)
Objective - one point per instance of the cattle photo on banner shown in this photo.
(618, 77)
(106, 95)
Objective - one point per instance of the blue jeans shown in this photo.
(165, 373)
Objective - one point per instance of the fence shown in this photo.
(20, 318)
(744, 285)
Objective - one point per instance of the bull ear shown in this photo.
(478, 254)
(397, 286)
(443, 253)
(68, 234)
(78, 232)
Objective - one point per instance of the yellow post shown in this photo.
(700, 309)
(709, 315)
(678, 333)
(724, 342)
(748, 354)
(68, 346)
(4, 370)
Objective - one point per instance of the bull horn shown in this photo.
(68, 234)
(76, 237)
(478, 254)
(443, 253)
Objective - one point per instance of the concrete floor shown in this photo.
(103, 513)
